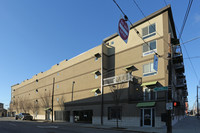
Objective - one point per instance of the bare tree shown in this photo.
(22, 105)
(46, 104)
(61, 102)
(27, 105)
(46, 100)
(16, 105)
(116, 91)
(11, 109)
(34, 107)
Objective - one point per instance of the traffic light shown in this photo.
(176, 104)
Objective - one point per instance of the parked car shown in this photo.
(24, 116)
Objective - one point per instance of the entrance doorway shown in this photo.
(47, 114)
(83, 116)
(147, 116)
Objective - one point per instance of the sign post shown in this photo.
(123, 30)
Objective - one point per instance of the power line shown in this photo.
(149, 22)
(126, 18)
(191, 40)
(165, 2)
(185, 18)
(180, 34)
(194, 57)
(191, 62)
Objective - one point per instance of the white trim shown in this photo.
(143, 118)
(150, 51)
(148, 30)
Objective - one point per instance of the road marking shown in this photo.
(47, 126)
(13, 124)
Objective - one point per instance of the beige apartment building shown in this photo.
(114, 81)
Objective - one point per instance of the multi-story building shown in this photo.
(3, 112)
(114, 80)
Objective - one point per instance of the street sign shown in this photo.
(169, 106)
(155, 63)
(161, 88)
(123, 29)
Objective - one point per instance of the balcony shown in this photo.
(175, 41)
(179, 67)
(123, 78)
(177, 56)
(185, 93)
(186, 99)
(180, 75)
(181, 83)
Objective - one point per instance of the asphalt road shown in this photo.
(13, 126)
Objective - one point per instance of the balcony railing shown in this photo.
(118, 79)
(179, 67)
(181, 83)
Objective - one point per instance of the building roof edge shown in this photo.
(166, 8)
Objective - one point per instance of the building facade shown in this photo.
(114, 81)
(3, 112)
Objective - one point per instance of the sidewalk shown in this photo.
(107, 127)
(188, 125)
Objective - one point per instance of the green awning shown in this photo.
(146, 104)
(149, 83)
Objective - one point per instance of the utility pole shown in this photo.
(197, 102)
(169, 96)
(52, 98)
(102, 82)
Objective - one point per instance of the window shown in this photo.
(148, 69)
(36, 90)
(97, 56)
(149, 48)
(149, 31)
(149, 94)
(57, 86)
(96, 74)
(115, 112)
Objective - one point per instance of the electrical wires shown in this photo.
(181, 32)
(185, 18)
(126, 18)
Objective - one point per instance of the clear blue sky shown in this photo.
(37, 34)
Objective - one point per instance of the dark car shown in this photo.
(24, 116)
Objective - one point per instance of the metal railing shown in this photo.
(118, 79)
(180, 82)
